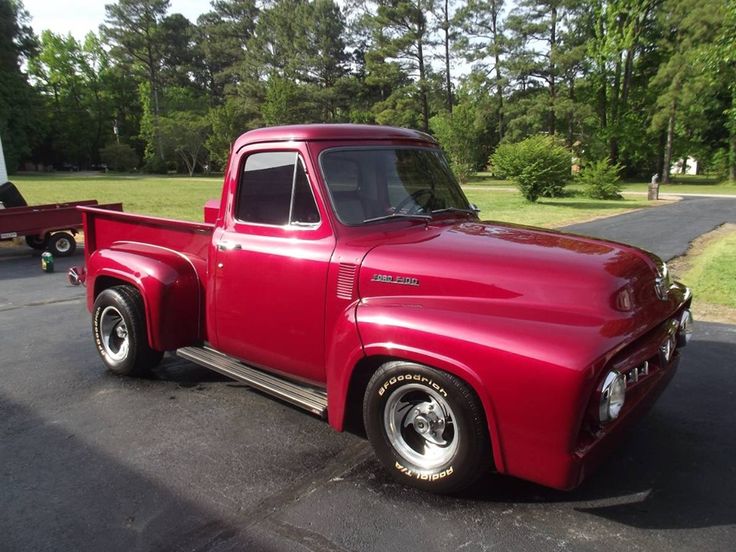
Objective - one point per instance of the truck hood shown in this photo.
(516, 270)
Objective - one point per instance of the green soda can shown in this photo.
(47, 262)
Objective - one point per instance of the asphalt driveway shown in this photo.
(668, 230)
(187, 460)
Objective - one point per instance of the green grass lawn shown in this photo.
(687, 185)
(684, 184)
(510, 206)
(712, 272)
(166, 196)
(183, 198)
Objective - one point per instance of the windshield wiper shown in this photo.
(415, 216)
(455, 210)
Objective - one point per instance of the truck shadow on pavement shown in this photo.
(184, 373)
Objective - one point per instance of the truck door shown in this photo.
(272, 256)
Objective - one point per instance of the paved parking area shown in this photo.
(187, 460)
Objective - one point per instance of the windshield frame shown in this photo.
(360, 147)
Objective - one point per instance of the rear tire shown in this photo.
(38, 242)
(119, 329)
(62, 244)
(427, 427)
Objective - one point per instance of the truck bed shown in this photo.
(40, 219)
(104, 228)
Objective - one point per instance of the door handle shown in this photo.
(228, 245)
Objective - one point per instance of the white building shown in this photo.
(685, 166)
(3, 168)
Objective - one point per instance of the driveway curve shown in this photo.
(667, 230)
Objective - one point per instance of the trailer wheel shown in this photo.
(38, 241)
(427, 427)
(62, 244)
(119, 328)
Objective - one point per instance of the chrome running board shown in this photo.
(303, 396)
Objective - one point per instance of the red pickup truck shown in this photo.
(343, 270)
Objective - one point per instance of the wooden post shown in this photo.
(653, 191)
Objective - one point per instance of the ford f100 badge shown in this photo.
(402, 280)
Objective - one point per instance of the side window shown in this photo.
(274, 190)
(303, 208)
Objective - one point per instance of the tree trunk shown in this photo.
(668, 146)
(732, 153)
(499, 82)
(423, 86)
(615, 95)
(552, 70)
(154, 93)
(602, 100)
(448, 82)
(628, 74)
(571, 114)
(661, 147)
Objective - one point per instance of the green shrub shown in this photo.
(718, 164)
(539, 165)
(119, 157)
(600, 180)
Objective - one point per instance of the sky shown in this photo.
(78, 17)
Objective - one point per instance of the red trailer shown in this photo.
(49, 227)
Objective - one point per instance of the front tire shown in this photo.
(119, 329)
(426, 426)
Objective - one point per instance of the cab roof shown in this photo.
(331, 132)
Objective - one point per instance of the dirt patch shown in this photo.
(13, 242)
(679, 266)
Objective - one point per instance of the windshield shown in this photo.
(376, 183)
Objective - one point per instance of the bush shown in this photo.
(718, 164)
(600, 180)
(539, 165)
(119, 157)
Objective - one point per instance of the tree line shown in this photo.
(639, 83)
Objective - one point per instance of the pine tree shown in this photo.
(134, 28)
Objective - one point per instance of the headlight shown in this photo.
(663, 281)
(685, 330)
(612, 396)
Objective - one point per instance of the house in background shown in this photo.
(685, 166)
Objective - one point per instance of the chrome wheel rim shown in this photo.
(114, 334)
(63, 245)
(421, 426)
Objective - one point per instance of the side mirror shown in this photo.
(475, 208)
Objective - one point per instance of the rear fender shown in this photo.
(168, 283)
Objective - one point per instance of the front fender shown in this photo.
(168, 282)
(346, 350)
(532, 372)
